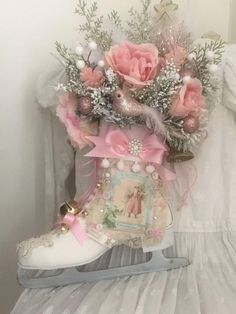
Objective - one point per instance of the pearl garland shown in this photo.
(150, 169)
(105, 163)
(120, 165)
(136, 167)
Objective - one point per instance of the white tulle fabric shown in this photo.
(205, 233)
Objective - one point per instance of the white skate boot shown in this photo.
(127, 207)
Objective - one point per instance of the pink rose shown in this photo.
(91, 78)
(178, 55)
(189, 100)
(136, 64)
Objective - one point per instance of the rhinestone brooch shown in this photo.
(135, 147)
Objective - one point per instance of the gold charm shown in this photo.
(64, 228)
(70, 207)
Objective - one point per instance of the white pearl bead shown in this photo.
(107, 175)
(210, 55)
(150, 169)
(105, 163)
(120, 165)
(92, 45)
(79, 50)
(80, 64)
(186, 79)
(136, 167)
(191, 56)
(213, 68)
(101, 63)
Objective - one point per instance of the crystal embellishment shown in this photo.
(135, 147)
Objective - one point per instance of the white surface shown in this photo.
(28, 32)
(207, 286)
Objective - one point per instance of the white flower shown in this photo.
(210, 55)
(186, 79)
(80, 64)
(101, 63)
(191, 56)
(79, 50)
(213, 68)
(92, 45)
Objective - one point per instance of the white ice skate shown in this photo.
(126, 208)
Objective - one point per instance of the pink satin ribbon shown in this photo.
(116, 144)
(75, 227)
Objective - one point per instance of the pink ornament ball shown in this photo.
(84, 105)
(191, 124)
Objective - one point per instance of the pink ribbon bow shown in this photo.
(116, 144)
(75, 227)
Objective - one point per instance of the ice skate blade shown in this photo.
(68, 276)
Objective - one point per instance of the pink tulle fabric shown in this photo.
(136, 64)
(78, 129)
(189, 100)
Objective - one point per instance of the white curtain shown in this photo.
(205, 232)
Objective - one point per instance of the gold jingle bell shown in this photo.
(178, 156)
(70, 207)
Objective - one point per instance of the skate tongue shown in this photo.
(73, 222)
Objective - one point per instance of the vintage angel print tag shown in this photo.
(128, 206)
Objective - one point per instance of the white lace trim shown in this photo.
(25, 248)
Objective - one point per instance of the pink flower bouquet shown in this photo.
(156, 77)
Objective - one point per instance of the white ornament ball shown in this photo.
(213, 68)
(120, 165)
(92, 45)
(101, 63)
(105, 163)
(150, 169)
(136, 167)
(187, 79)
(79, 50)
(80, 64)
(210, 55)
(107, 175)
(191, 56)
